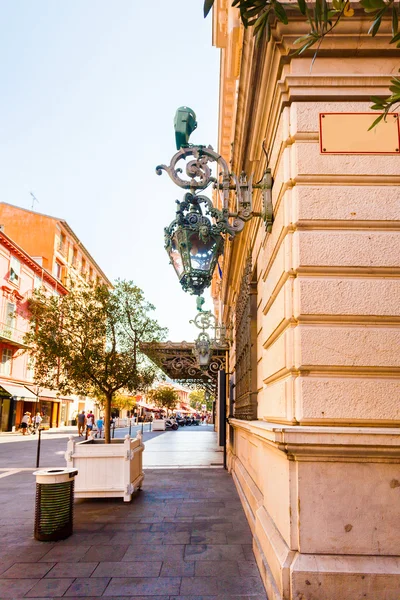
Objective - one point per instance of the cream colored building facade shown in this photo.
(313, 434)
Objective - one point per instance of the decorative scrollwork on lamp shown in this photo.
(206, 342)
(195, 239)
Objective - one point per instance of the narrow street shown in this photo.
(184, 535)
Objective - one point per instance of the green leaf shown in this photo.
(207, 6)
(303, 38)
(280, 13)
(396, 38)
(302, 6)
(317, 12)
(306, 46)
(373, 30)
(325, 12)
(260, 25)
(375, 123)
(395, 21)
(373, 4)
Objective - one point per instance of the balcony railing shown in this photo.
(11, 334)
(62, 248)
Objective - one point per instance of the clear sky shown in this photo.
(89, 89)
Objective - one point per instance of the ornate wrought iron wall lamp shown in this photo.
(211, 337)
(195, 239)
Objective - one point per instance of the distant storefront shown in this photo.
(52, 406)
(12, 401)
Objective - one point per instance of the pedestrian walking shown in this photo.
(81, 423)
(89, 422)
(25, 422)
(37, 419)
(100, 425)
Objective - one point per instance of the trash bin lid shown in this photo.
(54, 475)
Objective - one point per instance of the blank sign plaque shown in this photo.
(347, 133)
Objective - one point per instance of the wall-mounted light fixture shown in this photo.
(195, 239)
(211, 336)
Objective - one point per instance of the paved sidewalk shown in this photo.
(183, 537)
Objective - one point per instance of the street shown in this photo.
(184, 534)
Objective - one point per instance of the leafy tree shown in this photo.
(322, 17)
(122, 401)
(164, 396)
(198, 398)
(87, 342)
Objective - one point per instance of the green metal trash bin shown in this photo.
(54, 507)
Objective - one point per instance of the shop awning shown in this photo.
(19, 392)
(53, 395)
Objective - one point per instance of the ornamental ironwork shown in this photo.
(177, 361)
(195, 239)
(245, 347)
(212, 336)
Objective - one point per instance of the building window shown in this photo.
(75, 258)
(15, 270)
(57, 270)
(38, 282)
(6, 360)
(10, 317)
(30, 369)
(83, 268)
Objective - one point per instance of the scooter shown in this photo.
(180, 421)
(171, 424)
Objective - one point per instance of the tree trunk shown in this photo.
(107, 418)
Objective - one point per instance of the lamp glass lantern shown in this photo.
(193, 244)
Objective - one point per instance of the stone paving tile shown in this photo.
(248, 552)
(248, 568)
(239, 537)
(16, 588)
(82, 587)
(174, 520)
(200, 511)
(209, 537)
(214, 552)
(124, 526)
(215, 568)
(128, 569)
(154, 553)
(87, 527)
(207, 525)
(87, 539)
(65, 554)
(166, 527)
(52, 588)
(23, 554)
(180, 537)
(72, 569)
(5, 564)
(27, 570)
(136, 586)
(205, 586)
(221, 597)
(177, 568)
(240, 585)
(104, 553)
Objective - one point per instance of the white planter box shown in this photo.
(158, 425)
(106, 470)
